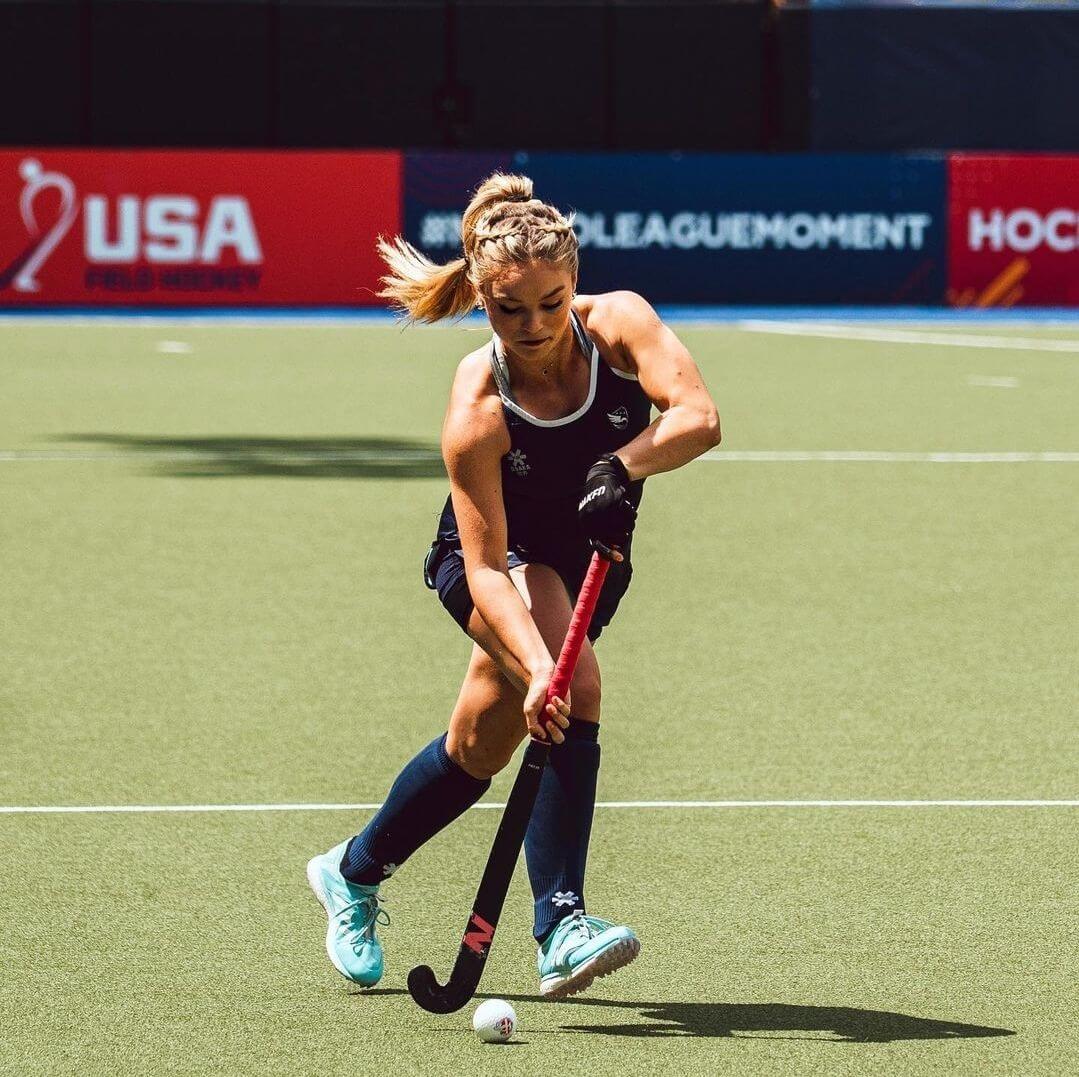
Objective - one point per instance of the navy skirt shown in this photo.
(444, 572)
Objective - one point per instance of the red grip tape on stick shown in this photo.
(578, 627)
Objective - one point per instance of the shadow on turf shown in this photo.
(766, 1020)
(300, 458)
(773, 1020)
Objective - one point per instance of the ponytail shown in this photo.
(421, 289)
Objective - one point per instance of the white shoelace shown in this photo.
(580, 929)
(363, 905)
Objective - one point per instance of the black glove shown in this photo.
(606, 515)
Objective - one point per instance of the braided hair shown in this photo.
(502, 226)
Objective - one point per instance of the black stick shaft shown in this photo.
(495, 882)
(494, 885)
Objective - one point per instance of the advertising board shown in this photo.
(132, 228)
(719, 228)
(1014, 230)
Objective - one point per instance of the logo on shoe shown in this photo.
(564, 897)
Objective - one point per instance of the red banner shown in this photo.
(194, 228)
(1014, 230)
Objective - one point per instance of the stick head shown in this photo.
(428, 993)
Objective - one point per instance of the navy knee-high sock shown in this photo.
(428, 795)
(556, 843)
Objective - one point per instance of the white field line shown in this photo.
(981, 381)
(406, 456)
(908, 336)
(725, 456)
(142, 809)
(836, 330)
(173, 347)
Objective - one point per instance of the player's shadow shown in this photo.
(769, 1020)
(271, 457)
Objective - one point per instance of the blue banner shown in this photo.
(719, 228)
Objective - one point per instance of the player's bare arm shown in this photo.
(688, 424)
(474, 440)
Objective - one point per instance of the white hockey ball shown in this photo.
(494, 1021)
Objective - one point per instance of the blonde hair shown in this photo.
(502, 226)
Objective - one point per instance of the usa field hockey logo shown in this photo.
(619, 418)
(133, 243)
(21, 274)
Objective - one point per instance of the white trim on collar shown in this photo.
(518, 410)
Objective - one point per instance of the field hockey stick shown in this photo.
(480, 929)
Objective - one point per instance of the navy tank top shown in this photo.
(544, 471)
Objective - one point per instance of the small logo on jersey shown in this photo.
(518, 462)
(619, 418)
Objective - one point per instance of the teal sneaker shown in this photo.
(353, 911)
(581, 949)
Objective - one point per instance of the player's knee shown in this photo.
(477, 756)
(585, 695)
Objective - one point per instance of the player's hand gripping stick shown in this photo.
(480, 929)
(604, 512)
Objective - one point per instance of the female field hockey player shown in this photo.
(547, 442)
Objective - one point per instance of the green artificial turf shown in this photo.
(212, 595)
